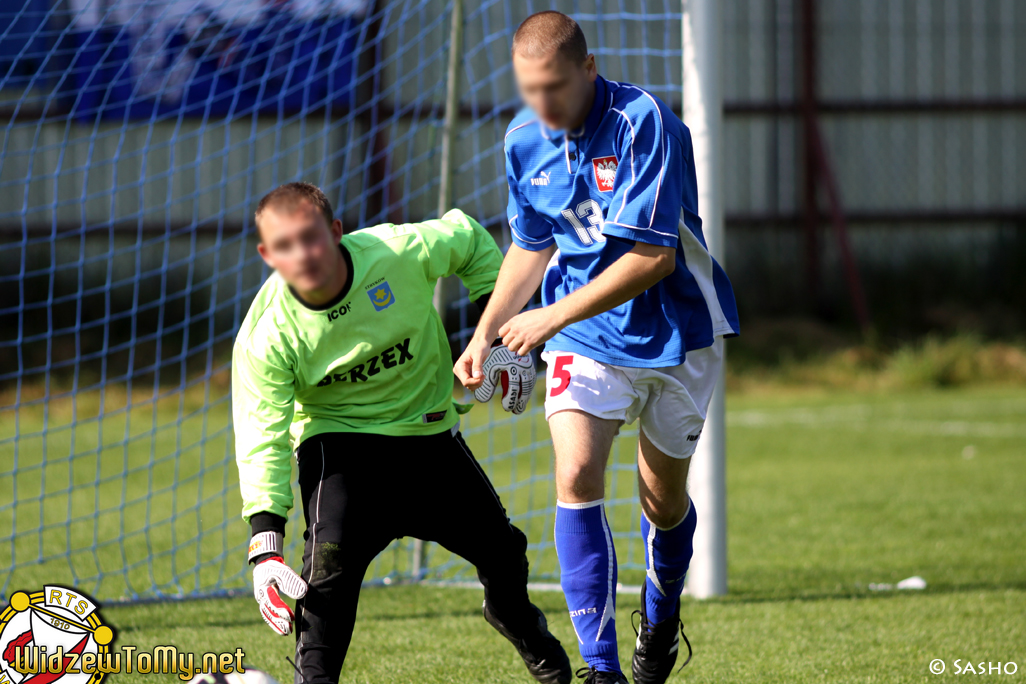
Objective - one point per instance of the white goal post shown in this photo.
(702, 27)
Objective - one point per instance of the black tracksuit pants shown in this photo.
(360, 492)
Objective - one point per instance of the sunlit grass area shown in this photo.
(830, 491)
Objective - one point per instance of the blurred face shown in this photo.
(301, 245)
(556, 88)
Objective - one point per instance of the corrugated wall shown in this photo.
(869, 51)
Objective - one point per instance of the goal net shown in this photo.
(138, 136)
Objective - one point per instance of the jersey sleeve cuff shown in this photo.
(266, 522)
(647, 235)
(532, 246)
(528, 243)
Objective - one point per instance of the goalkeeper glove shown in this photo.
(515, 374)
(271, 575)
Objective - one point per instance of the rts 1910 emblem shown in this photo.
(53, 634)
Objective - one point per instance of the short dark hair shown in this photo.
(543, 33)
(289, 195)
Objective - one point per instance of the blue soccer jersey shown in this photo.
(627, 175)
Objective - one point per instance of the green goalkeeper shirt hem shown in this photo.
(422, 426)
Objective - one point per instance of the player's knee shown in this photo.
(666, 514)
(580, 482)
(327, 562)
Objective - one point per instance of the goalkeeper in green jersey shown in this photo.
(343, 359)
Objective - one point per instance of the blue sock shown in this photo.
(667, 557)
(587, 564)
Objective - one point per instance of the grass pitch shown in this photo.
(829, 493)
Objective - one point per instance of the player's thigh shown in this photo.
(586, 402)
(700, 373)
(671, 424)
(458, 507)
(677, 400)
(662, 483)
(345, 527)
(581, 443)
(672, 421)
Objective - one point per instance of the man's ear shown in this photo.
(336, 229)
(265, 254)
(590, 68)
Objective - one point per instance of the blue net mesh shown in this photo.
(139, 135)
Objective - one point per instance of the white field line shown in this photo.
(865, 418)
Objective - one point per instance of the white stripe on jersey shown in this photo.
(517, 129)
(700, 265)
(662, 149)
(633, 175)
(650, 230)
(519, 235)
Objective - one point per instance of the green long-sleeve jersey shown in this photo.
(376, 359)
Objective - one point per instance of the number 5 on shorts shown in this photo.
(560, 373)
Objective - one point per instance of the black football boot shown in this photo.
(542, 653)
(655, 651)
(593, 676)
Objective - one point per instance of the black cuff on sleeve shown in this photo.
(482, 301)
(266, 522)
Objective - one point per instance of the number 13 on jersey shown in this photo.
(586, 221)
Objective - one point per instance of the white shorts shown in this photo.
(671, 402)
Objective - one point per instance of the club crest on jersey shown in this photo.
(381, 296)
(605, 172)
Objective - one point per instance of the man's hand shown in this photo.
(270, 575)
(514, 373)
(521, 274)
(531, 329)
(469, 367)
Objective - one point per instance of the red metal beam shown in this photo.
(851, 271)
(819, 173)
(808, 114)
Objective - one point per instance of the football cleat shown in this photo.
(655, 650)
(593, 676)
(542, 653)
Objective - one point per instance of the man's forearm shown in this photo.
(521, 274)
(623, 280)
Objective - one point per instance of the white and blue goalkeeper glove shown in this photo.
(512, 372)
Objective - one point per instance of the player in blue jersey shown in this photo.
(603, 209)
